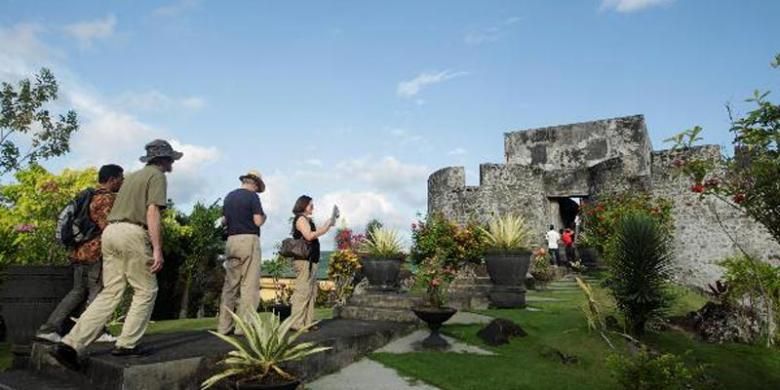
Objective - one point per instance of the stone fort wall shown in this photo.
(592, 159)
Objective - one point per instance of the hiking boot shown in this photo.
(52, 337)
(122, 351)
(66, 356)
(106, 338)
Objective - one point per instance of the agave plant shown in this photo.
(267, 344)
(382, 243)
(508, 232)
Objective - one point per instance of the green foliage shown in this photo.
(601, 219)
(384, 243)
(640, 269)
(434, 274)
(27, 131)
(277, 268)
(456, 244)
(372, 226)
(508, 232)
(648, 371)
(266, 345)
(29, 210)
(541, 269)
(756, 283)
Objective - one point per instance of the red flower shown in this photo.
(739, 198)
(698, 188)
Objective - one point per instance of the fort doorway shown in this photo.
(564, 210)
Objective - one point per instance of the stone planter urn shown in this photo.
(28, 294)
(507, 270)
(434, 317)
(382, 273)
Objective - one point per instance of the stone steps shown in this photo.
(27, 380)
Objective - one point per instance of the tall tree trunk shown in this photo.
(185, 297)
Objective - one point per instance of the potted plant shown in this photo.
(381, 257)
(277, 268)
(542, 270)
(435, 276)
(507, 259)
(256, 362)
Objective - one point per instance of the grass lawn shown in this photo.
(527, 363)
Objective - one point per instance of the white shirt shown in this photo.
(552, 239)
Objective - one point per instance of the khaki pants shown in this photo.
(242, 280)
(305, 294)
(127, 256)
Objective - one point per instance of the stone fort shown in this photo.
(547, 170)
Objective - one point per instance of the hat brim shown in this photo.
(175, 156)
(260, 183)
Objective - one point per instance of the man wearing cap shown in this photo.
(132, 254)
(243, 214)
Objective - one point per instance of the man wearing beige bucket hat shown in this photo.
(243, 215)
(132, 255)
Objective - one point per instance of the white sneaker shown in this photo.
(51, 337)
(106, 338)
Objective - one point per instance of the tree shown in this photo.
(27, 132)
(29, 210)
(204, 244)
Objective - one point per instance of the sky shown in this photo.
(355, 103)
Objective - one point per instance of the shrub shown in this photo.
(434, 275)
(756, 283)
(601, 219)
(343, 265)
(646, 370)
(541, 269)
(382, 243)
(457, 244)
(508, 232)
(640, 270)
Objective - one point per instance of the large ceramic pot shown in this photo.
(382, 273)
(508, 270)
(291, 385)
(28, 294)
(434, 317)
(281, 310)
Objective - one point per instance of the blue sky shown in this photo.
(356, 102)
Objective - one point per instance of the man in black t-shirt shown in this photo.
(243, 214)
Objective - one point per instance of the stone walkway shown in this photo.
(368, 374)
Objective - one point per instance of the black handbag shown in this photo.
(297, 248)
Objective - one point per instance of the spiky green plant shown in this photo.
(267, 343)
(508, 232)
(383, 242)
(640, 269)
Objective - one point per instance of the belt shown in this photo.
(142, 225)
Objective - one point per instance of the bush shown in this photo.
(601, 218)
(456, 244)
(640, 270)
(757, 284)
(646, 370)
(541, 269)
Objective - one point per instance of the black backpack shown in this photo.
(74, 225)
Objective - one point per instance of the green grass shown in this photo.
(198, 324)
(525, 362)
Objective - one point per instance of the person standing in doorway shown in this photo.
(568, 244)
(552, 245)
(132, 254)
(87, 258)
(243, 214)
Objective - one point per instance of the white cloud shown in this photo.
(457, 152)
(175, 9)
(387, 173)
(627, 6)
(156, 101)
(408, 89)
(313, 162)
(187, 183)
(480, 36)
(22, 52)
(87, 32)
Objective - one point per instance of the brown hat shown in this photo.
(254, 175)
(160, 148)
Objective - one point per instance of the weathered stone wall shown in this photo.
(583, 145)
(700, 241)
(593, 159)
